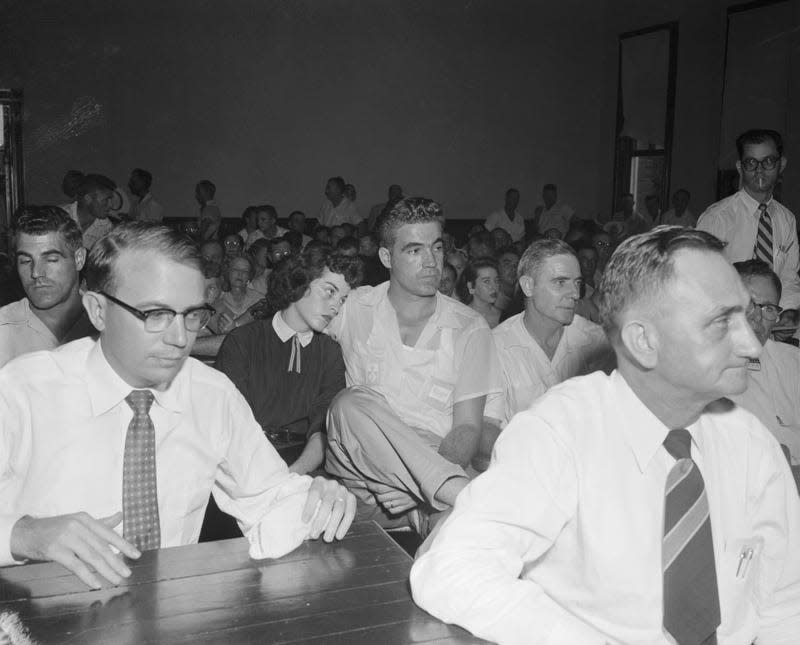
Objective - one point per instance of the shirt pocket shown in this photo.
(738, 577)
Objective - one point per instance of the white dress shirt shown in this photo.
(147, 209)
(453, 360)
(734, 220)
(500, 219)
(671, 218)
(528, 372)
(345, 213)
(63, 421)
(21, 331)
(773, 394)
(558, 216)
(559, 541)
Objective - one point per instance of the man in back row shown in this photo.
(49, 254)
(752, 223)
(619, 509)
(419, 367)
(130, 429)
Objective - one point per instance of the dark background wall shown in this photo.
(454, 100)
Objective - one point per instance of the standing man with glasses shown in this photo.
(753, 224)
(111, 447)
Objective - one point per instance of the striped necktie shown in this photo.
(763, 247)
(691, 598)
(140, 521)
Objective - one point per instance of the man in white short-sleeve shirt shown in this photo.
(419, 368)
(619, 509)
(508, 218)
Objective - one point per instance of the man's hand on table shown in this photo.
(337, 508)
(75, 541)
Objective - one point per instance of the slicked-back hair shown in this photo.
(291, 279)
(208, 186)
(538, 252)
(93, 183)
(758, 268)
(339, 181)
(411, 210)
(137, 236)
(642, 266)
(41, 220)
(269, 209)
(470, 274)
(756, 136)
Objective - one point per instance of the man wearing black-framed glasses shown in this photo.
(115, 445)
(753, 224)
(773, 377)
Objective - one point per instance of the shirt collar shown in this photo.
(286, 333)
(751, 204)
(642, 430)
(107, 388)
(444, 316)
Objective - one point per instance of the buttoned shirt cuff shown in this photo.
(281, 529)
(7, 523)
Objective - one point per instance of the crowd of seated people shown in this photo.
(517, 396)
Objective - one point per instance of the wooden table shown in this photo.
(350, 592)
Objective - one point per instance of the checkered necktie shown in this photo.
(140, 524)
(691, 599)
(763, 248)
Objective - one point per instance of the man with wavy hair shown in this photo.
(419, 369)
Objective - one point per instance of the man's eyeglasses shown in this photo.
(767, 163)
(158, 320)
(766, 311)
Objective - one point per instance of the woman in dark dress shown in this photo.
(283, 365)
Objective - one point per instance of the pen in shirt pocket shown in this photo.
(744, 562)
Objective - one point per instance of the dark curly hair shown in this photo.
(470, 274)
(290, 280)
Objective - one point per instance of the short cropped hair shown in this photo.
(551, 187)
(92, 183)
(642, 265)
(137, 236)
(71, 183)
(269, 209)
(290, 281)
(339, 181)
(470, 274)
(145, 176)
(411, 210)
(207, 185)
(533, 258)
(41, 220)
(752, 137)
(753, 268)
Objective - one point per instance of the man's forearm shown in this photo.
(461, 444)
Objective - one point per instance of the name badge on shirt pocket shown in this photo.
(439, 394)
(373, 373)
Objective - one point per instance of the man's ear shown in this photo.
(739, 167)
(95, 306)
(385, 256)
(783, 165)
(526, 284)
(80, 258)
(641, 340)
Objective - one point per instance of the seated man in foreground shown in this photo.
(419, 366)
(618, 509)
(50, 255)
(287, 371)
(773, 391)
(129, 429)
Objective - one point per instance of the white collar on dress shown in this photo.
(286, 333)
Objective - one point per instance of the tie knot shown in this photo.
(140, 401)
(762, 208)
(678, 443)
